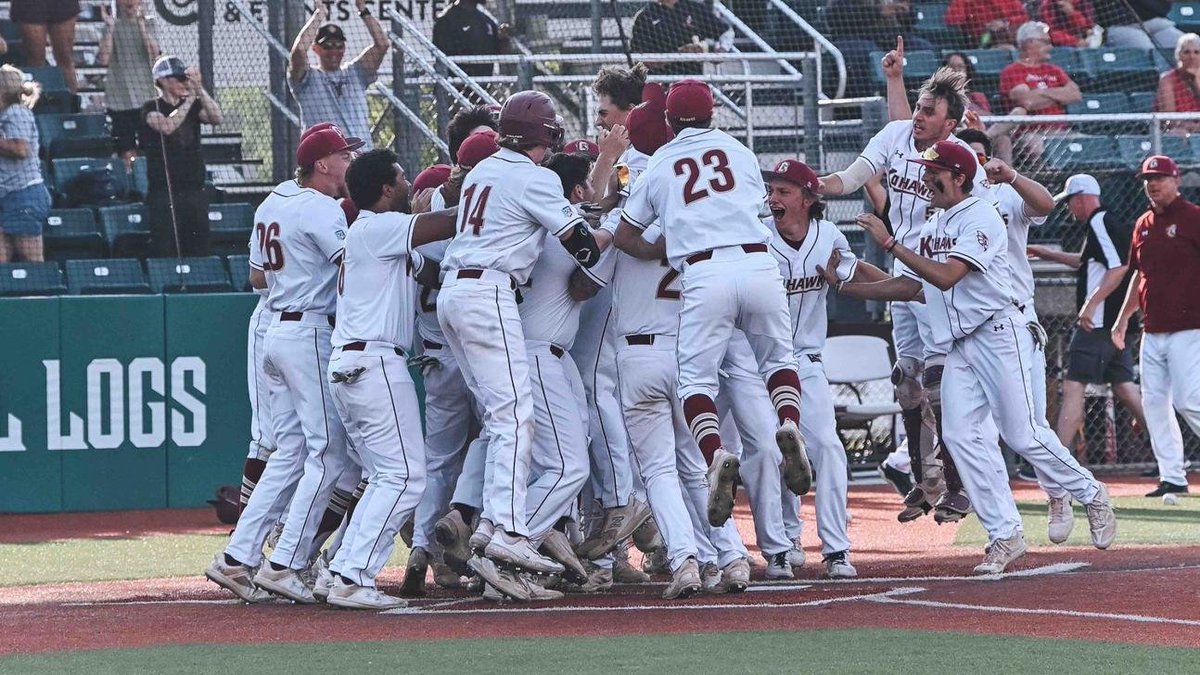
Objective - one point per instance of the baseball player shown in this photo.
(303, 234)
(262, 436)
(966, 279)
(508, 203)
(369, 380)
(941, 104)
(1165, 258)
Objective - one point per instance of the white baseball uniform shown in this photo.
(985, 373)
(646, 303)
(262, 434)
(508, 205)
(301, 247)
(372, 390)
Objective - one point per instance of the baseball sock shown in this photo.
(339, 504)
(949, 470)
(701, 415)
(252, 470)
(912, 429)
(784, 387)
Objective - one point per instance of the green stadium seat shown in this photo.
(12, 35)
(74, 135)
(1141, 101)
(1135, 148)
(188, 275)
(1119, 69)
(126, 229)
(1102, 104)
(1068, 59)
(235, 218)
(114, 276)
(239, 271)
(987, 63)
(31, 279)
(64, 171)
(56, 97)
(918, 66)
(140, 179)
(931, 25)
(72, 233)
(1073, 154)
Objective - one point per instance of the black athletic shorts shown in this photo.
(43, 11)
(1092, 358)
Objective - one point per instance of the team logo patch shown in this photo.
(566, 211)
(1172, 230)
(982, 239)
(340, 234)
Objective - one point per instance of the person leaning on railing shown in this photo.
(1179, 88)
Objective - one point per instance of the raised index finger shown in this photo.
(900, 46)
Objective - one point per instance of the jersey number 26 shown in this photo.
(268, 243)
(721, 181)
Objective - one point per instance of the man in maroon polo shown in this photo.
(1165, 261)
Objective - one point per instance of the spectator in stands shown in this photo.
(463, 29)
(53, 19)
(1138, 24)
(1037, 86)
(682, 26)
(988, 23)
(128, 49)
(1071, 22)
(170, 136)
(333, 92)
(24, 199)
(977, 101)
(859, 27)
(1179, 88)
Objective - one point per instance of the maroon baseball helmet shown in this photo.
(582, 146)
(433, 176)
(1159, 165)
(530, 117)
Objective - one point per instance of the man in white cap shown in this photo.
(1037, 86)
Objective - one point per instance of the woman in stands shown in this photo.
(977, 100)
(24, 199)
(52, 19)
(1179, 88)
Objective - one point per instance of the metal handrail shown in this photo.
(650, 57)
(439, 55)
(436, 78)
(279, 49)
(412, 117)
(819, 39)
(762, 44)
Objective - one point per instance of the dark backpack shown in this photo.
(93, 186)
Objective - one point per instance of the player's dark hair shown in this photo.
(968, 186)
(970, 136)
(510, 143)
(622, 86)
(463, 122)
(817, 210)
(951, 87)
(572, 170)
(367, 175)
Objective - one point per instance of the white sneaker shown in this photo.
(285, 583)
(685, 582)
(502, 581)
(516, 551)
(558, 547)
(353, 596)
(537, 591)
(1060, 520)
(237, 579)
(323, 580)
(710, 578)
(735, 576)
(797, 471)
(1002, 553)
(796, 557)
(837, 566)
(1101, 520)
(722, 477)
(778, 566)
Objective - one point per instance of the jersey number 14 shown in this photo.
(472, 211)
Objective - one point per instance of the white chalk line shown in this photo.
(883, 599)
(756, 588)
(786, 585)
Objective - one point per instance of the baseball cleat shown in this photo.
(322, 578)
(237, 579)
(685, 582)
(1060, 519)
(600, 579)
(796, 557)
(624, 573)
(538, 591)
(482, 535)
(900, 480)
(619, 524)
(502, 581)
(778, 566)
(710, 578)
(556, 547)
(414, 574)
(951, 507)
(453, 534)
(1001, 553)
(445, 577)
(722, 478)
(837, 566)
(656, 563)
(735, 576)
(515, 551)
(1101, 520)
(797, 471)
(646, 537)
(353, 596)
(1165, 488)
(285, 583)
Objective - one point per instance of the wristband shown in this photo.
(889, 244)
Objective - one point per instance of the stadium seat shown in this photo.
(1186, 15)
(12, 35)
(72, 233)
(229, 227)
(74, 135)
(1135, 148)
(139, 182)
(918, 66)
(1074, 154)
(188, 275)
(1141, 101)
(65, 170)
(1102, 104)
(1119, 69)
(931, 25)
(56, 97)
(987, 63)
(126, 229)
(239, 271)
(115, 276)
(1068, 59)
(29, 279)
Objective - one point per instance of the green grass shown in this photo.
(819, 651)
(1140, 520)
(108, 559)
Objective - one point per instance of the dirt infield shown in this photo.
(911, 577)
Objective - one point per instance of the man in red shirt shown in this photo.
(1165, 259)
(1034, 86)
(989, 23)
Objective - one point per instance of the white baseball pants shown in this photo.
(559, 466)
(381, 414)
(1171, 383)
(483, 328)
(262, 435)
(721, 545)
(818, 426)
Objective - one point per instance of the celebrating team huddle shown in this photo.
(613, 340)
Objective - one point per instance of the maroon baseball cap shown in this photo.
(653, 92)
(582, 146)
(318, 127)
(689, 101)
(949, 156)
(1159, 165)
(323, 143)
(796, 172)
(350, 209)
(478, 147)
(432, 176)
(648, 128)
